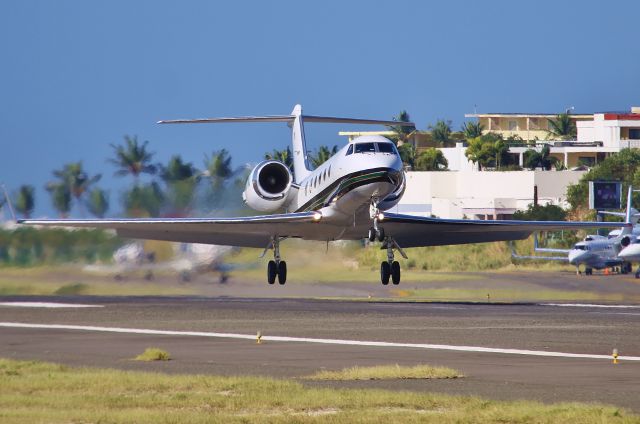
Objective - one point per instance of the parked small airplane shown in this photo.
(189, 260)
(595, 251)
(345, 198)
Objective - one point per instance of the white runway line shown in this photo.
(309, 340)
(590, 305)
(48, 305)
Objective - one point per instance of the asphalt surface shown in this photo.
(569, 329)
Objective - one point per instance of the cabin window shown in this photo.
(329, 172)
(349, 150)
(365, 148)
(386, 148)
(324, 175)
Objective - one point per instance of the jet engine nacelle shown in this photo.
(625, 241)
(268, 186)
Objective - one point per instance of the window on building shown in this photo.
(513, 125)
(586, 160)
(634, 133)
(533, 123)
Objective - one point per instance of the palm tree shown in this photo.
(25, 201)
(144, 201)
(431, 159)
(562, 128)
(402, 133)
(98, 202)
(60, 197)
(408, 155)
(180, 178)
(76, 180)
(283, 156)
(472, 130)
(543, 159)
(133, 158)
(322, 155)
(441, 131)
(218, 167)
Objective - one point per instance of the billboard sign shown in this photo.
(605, 195)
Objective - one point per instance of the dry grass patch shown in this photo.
(37, 392)
(387, 372)
(153, 354)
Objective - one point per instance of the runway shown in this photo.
(512, 351)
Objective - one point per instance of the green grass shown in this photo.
(386, 372)
(37, 392)
(153, 354)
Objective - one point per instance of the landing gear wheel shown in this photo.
(385, 273)
(282, 272)
(272, 271)
(372, 234)
(588, 271)
(395, 273)
(380, 234)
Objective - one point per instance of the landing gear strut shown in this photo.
(391, 268)
(277, 267)
(375, 232)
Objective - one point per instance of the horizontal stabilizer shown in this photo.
(288, 118)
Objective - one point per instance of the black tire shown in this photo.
(380, 234)
(372, 234)
(385, 273)
(282, 272)
(395, 273)
(588, 271)
(272, 271)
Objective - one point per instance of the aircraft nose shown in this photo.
(575, 255)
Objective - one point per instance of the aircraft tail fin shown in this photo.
(629, 212)
(300, 164)
(7, 201)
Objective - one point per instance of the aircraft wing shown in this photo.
(416, 231)
(251, 231)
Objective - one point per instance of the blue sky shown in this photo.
(76, 76)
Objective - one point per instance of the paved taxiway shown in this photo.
(570, 329)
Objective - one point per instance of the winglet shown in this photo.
(8, 202)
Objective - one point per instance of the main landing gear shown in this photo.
(276, 267)
(390, 269)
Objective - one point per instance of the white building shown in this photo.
(483, 195)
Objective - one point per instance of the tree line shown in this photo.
(178, 187)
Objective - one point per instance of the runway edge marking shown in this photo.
(311, 340)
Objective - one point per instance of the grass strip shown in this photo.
(33, 392)
(153, 354)
(387, 372)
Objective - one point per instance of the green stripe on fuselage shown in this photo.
(320, 199)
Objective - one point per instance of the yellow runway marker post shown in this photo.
(615, 356)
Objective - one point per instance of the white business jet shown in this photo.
(345, 198)
(597, 251)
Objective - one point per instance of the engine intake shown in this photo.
(625, 241)
(268, 186)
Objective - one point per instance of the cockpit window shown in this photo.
(581, 247)
(386, 148)
(365, 148)
(349, 150)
